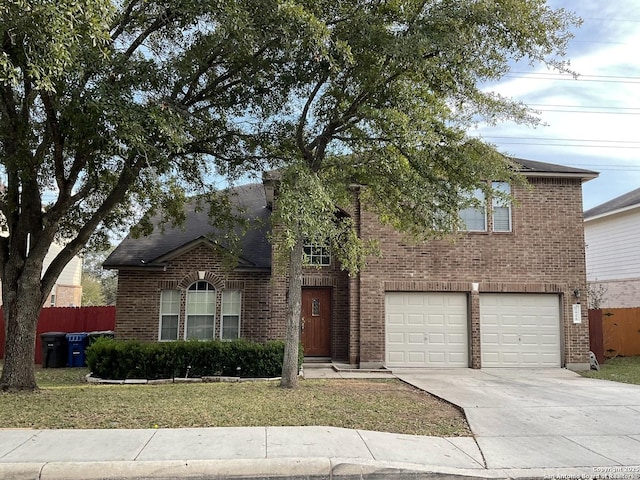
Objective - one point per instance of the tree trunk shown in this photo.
(292, 325)
(22, 304)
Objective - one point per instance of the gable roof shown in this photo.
(533, 168)
(624, 202)
(156, 249)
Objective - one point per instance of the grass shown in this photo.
(65, 401)
(619, 369)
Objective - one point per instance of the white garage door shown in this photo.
(426, 330)
(520, 330)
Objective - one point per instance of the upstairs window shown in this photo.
(501, 208)
(317, 255)
(200, 311)
(475, 218)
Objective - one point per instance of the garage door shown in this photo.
(520, 330)
(426, 330)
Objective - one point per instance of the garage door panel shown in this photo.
(396, 357)
(457, 339)
(434, 328)
(436, 320)
(458, 320)
(531, 339)
(415, 319)
(508, 339)
(415, 338)
(520, 330)
(397, 338)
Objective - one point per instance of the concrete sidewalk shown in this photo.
(248, 452)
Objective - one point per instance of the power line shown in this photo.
(568, 77)
(509, 137)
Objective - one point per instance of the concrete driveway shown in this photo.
(538, 418)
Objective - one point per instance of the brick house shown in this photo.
(503, 294)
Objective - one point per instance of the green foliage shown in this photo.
(113, 359)
(387, 105)
(91, 291)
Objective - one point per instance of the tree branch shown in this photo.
(306, 152)
(167, 16)
(123, 20)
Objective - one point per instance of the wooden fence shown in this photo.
(618, 329)
(68, 320)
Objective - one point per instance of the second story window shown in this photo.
(474, 218)
(317, 255)
(501, 208)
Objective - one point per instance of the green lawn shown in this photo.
(619, 369)
(65, 401)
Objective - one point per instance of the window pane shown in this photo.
(501, 208)
(231, 306)
(475, 219)
(200, 327)
(317, 255)
(201, 305)
(230, 327)
(169, 327)
(169, 314)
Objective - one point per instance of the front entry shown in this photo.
(316, 322)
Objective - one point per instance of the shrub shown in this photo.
(116, 359)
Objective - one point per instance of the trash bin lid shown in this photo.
(52, 334)
(76, 336)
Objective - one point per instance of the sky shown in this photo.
(592, 122)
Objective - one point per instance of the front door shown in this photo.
(316, 322)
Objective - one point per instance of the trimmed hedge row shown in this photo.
(120, 360)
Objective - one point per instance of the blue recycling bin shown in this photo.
(77, 344)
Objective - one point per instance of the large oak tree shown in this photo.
(112, 107)
(386, 106)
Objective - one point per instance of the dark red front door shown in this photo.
(316, 322)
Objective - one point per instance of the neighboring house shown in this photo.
(501, 295)
(612, 237)
(67, 291)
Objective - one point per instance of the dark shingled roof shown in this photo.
(151, 250)
(623, 201)
(531, 166)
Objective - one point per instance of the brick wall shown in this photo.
(139, 290)
(543, 253)
(618, 293)
(67, 296)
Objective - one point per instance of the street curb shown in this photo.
(273, 469)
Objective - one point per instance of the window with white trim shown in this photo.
(169, 314)
(200, 311)
(474, 218)
(501, 208)
(317, 255)
(231, 307)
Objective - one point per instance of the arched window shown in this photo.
(200, 311)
